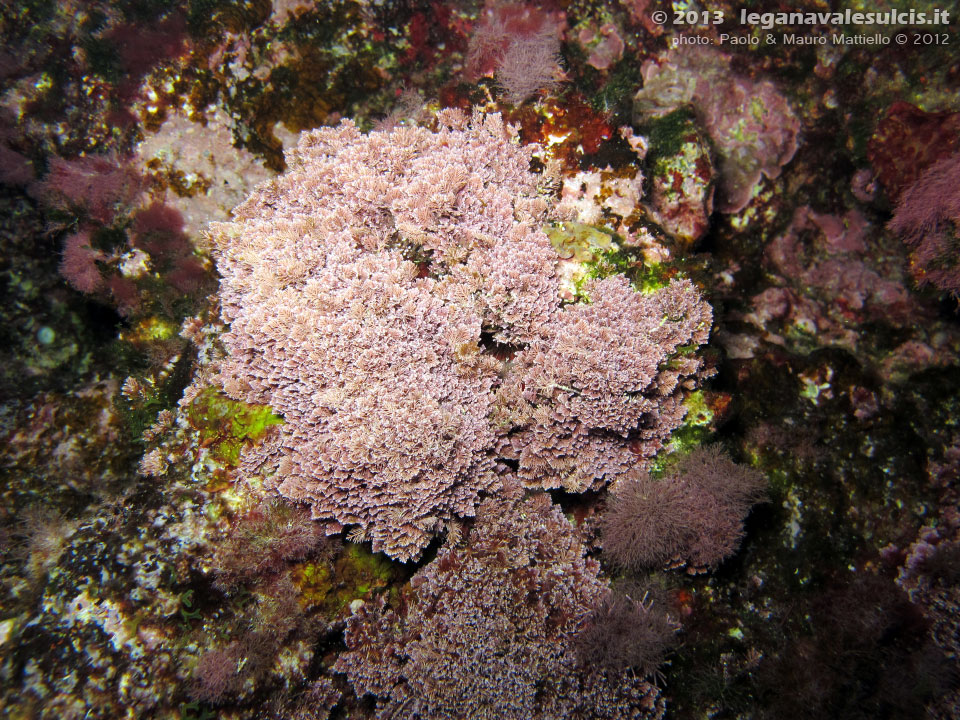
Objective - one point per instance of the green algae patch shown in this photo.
(611, 262)
(577, 241)
(699, 411)
(697, 425)
(668, 134)
(153, 328)
(355, 574)
(225, 425)
(594, 253)
(314, 581)
(705, 411)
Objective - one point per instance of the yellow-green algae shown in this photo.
(601, 253)
(354, 574)
(225, 425)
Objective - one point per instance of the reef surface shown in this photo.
(457, 359)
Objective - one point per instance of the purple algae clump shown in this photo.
(520, 45)
(691, 516)
(629, 629)
(395, 298)
(928, 219)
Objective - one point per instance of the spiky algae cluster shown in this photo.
(395, 298)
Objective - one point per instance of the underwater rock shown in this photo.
(682, 177)
(751, 124)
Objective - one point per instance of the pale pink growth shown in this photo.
(409, 108)
(40, 539)
(283, 10)
(192, 329)
(78, 265)
(135, 389)
(162, 424)
(928, 220)
(579, 198)
(487, 43)
(837, 274)
(154, 463)
(363, 288)
(502, 23)
(512, 286)
(378, 371)
(605, 45)
(219, 175)
(594, 395)
(638, 143)
(519, 44)
(217, 674)
(529, 65)
(604, 198)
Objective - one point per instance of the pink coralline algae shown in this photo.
(78, 265)
(212, 175)
(391, 295)
(598, 376)
(752, 125)
(490, 629)
(835, 273)
(928, 220)
(832, 254)
(605, 45)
